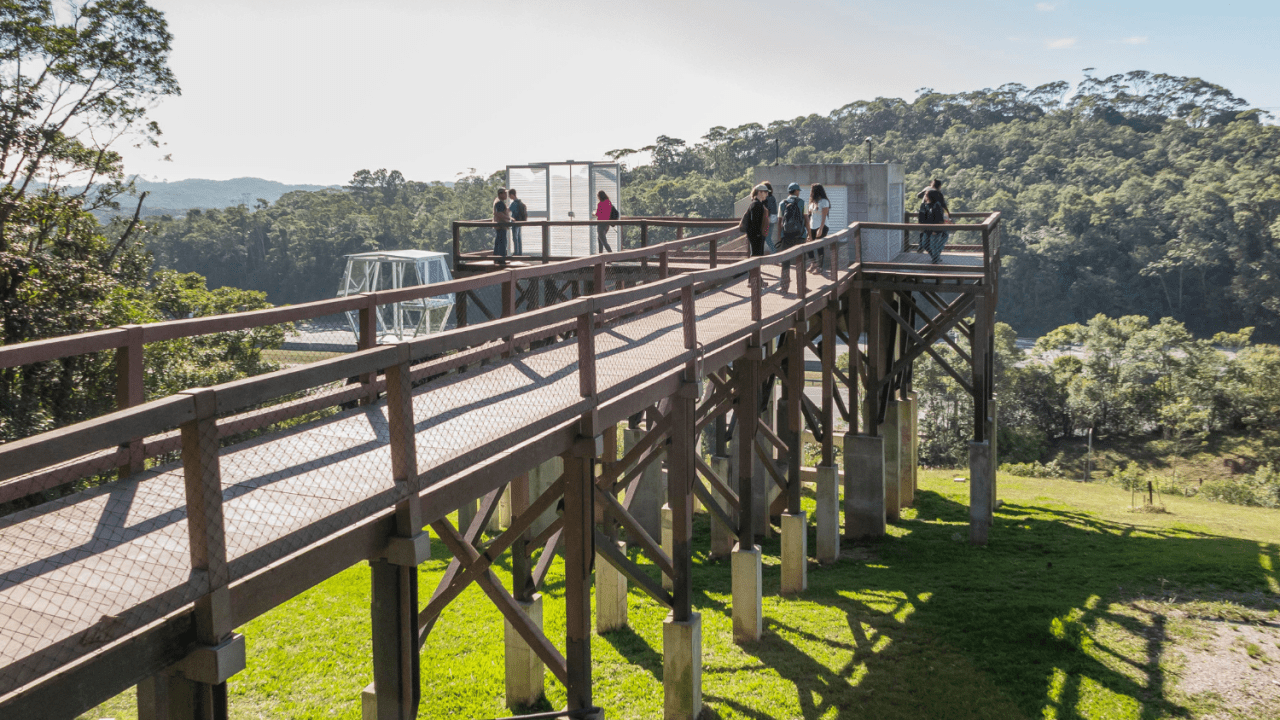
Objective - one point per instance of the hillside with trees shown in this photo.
(1136, 193)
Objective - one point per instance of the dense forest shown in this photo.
(1135, 193)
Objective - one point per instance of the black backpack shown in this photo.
(613, 212)
(792, 218)
(929, 213)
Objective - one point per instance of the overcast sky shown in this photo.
(309, 91)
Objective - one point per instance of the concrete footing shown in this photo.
(682, 668)
(827, 513)
(541, 478)
(864, 481)
(981, 476)
(795, 553)
(906, 459)
(651, 491)
(524, 669)
(611, 595)
(467, 513)
(722, 536)
(891, 431)
(748, 609)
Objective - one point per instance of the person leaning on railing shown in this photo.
(502, 217)
(519, 213)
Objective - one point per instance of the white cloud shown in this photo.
(1135, 40)
(1061, 43)
(1045, 7)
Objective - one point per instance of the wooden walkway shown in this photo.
(80, 572)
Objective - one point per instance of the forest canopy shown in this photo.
(1136, 193)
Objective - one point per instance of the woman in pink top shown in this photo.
(604, 211)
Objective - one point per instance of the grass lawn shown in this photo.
(1077, 609)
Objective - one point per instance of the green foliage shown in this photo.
(1034, 469)
(1260, 489)
(293, 249)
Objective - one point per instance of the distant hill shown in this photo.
(171, 197)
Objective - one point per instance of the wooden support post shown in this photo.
(457, 248)
(663, 265)
(715, 246)
(395, 692)
(203, 694)
(875, 362)
(579, 547)
(368, 338)
(681, 470)
(828, 348)
(789, 419)
(682, 631)
(130, 393)
(746, 564)
(546, 243)
(853, 321)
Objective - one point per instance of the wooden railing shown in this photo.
(129, 456)
(129, 341)
(643, 224)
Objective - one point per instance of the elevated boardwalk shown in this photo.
(147, 576)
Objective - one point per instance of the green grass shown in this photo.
(1070, 612)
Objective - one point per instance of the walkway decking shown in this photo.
(85, 570)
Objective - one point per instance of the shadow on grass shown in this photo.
(1026, 627)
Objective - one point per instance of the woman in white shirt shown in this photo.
(818, 209)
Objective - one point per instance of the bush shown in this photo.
(1034, 469)
(1021, 445)
(1260, 489)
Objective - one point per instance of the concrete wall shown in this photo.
(874, 193)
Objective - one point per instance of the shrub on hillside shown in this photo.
(1034, 469)
(1259, 489)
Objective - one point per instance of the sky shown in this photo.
(310, 91)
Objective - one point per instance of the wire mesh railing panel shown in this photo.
(315, 339)
(456, 416)
(649, 341)
(81, 571)
(285, 493)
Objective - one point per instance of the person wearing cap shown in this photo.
(791, 225)
(756, 221)
(770, 204)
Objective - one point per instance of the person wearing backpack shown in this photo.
(755, 221)
(933, 211)
(791, 222)
(519, 213)
(604, 211)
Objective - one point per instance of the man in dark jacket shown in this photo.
(757, 220)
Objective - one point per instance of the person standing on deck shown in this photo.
(604, 211)
(791, 224)
(771, 204)
(817, 211)
(519, 213)
(933, 211)
(502, 217)
(756, 221)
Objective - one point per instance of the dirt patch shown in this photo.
(1234, 666)
(1222, 654)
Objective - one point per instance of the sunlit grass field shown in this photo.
(1078, 608)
